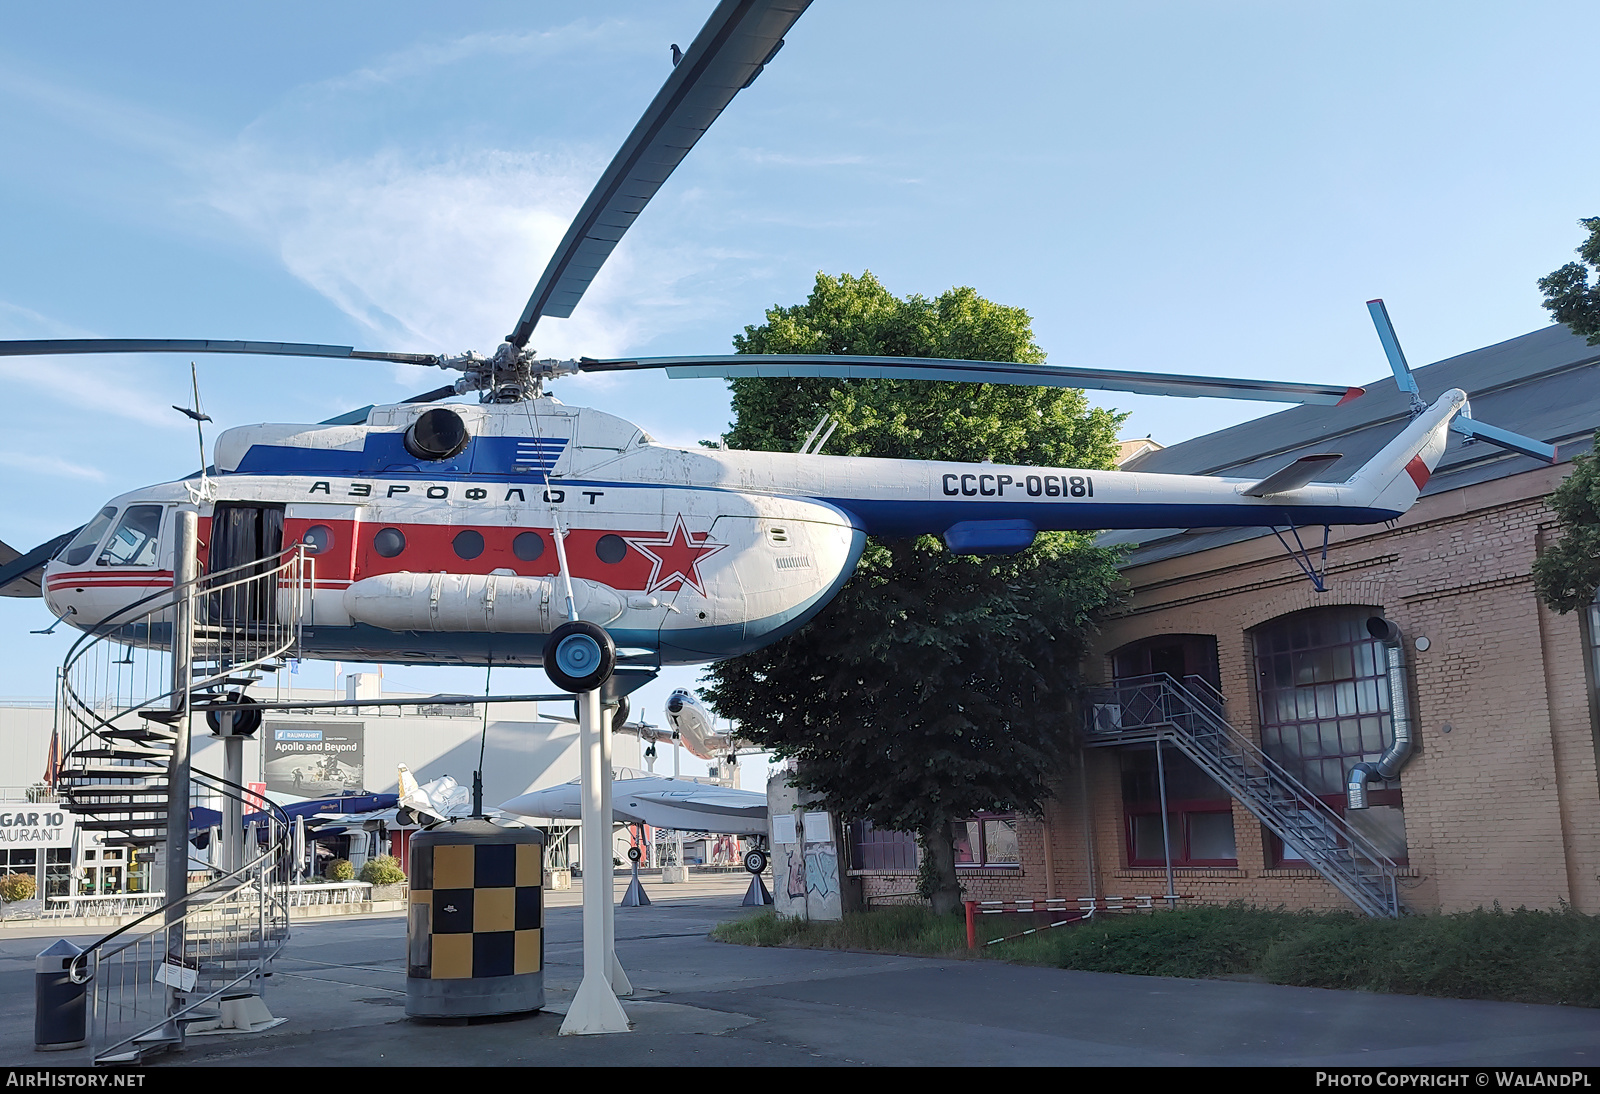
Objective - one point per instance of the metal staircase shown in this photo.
(129, 688)
(1188, 715)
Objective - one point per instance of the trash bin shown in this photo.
(474, 928)
(59, 1017)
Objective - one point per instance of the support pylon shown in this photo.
(594, 1008)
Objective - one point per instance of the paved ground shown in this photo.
(342, 985)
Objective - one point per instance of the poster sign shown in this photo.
(314, 759)
(36, 826)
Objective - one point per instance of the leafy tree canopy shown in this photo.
(934, 685)
(1567, 575)
(1569, 296)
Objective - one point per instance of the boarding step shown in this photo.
(140, 1049)
(115, 771)
(84, 791)
(142, 733)
(148, 824)
(133, 753)
(228, 682)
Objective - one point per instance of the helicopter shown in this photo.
(528, 532)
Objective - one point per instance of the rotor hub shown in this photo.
(509, 375)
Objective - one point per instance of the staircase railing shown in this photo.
(123, 716)
(1189, 715)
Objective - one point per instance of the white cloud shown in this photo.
(442, 256)
(49, 465)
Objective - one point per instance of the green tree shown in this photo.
(1568, 574)
(934, 685)
(1567, 293)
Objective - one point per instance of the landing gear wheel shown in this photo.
(245, 721)
(755, 860)
(634, 855)
(579, 657)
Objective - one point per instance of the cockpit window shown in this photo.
(134, 541)
(83, 544)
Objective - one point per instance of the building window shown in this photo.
(1323, 694)
(988, 839)
(1199, 812)
(873, 848)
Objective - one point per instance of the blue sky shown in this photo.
(1197, 187)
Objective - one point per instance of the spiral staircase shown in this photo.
(129, 690)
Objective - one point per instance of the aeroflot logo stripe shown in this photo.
(539, 454)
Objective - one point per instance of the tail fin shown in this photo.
(1394, 478)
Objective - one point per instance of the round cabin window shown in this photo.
(468, 543)
(317, 539)
(389, 542)
(528, 546)
(611, 548)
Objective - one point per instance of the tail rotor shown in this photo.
(1463, 423)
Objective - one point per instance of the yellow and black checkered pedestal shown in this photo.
(475, 936)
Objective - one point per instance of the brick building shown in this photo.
(1241, 697)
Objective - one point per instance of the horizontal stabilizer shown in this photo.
(1294, 476)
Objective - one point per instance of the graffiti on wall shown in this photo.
(822, 869)
(813, 871)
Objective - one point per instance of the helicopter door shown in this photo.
(241, 535)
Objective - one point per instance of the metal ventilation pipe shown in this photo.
(1390, 763)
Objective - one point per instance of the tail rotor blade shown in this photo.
(1515, 442)
(1391, 349)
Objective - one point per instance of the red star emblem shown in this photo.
(675, 558)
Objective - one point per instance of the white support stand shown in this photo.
(619, 979)
(232, 808)
(595, 1008)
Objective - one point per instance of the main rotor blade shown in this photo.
(23, 574)
(47, 346)
(725, 57)
(850, 367)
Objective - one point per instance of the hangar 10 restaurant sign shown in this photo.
(37, 828)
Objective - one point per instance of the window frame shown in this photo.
(980, 859)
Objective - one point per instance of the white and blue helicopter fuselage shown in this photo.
(684, 555)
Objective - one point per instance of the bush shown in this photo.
(340, 869)
(1521, 957)
(904, 929)
(1202, 941)
(14, 887)
(383, 870)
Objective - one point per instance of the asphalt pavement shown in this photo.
(341, 985)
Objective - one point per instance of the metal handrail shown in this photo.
(262, 606)
(1208, 713)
